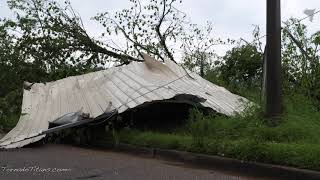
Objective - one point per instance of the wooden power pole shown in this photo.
(273, 64)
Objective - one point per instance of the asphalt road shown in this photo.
(69, 162)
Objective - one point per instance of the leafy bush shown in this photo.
(197, 127)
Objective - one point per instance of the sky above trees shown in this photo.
(230, 18)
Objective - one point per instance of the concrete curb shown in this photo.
(216, 162)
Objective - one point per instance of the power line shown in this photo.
(316, 12)
(309, 16)
(261, 37)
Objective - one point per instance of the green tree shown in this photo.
(242, 66)
(198, 45)
(147, 27)
(300, 57)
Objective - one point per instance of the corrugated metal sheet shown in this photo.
(121, 87)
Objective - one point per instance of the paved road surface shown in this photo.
(68, 162)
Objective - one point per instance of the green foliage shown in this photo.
(246, 137)
(197, 44)
(301, 66)
(240, 69)
(10, 106)
(242, 66)
(197, 127)
(148, 27)
(198, 61)
(152, 139)
(44, 42)
(51, 36)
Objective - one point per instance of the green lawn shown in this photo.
(295, 142)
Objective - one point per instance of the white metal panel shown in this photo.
(121, 87)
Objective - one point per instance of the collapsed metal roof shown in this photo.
(117, 88)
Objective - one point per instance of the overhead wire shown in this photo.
(299, 20)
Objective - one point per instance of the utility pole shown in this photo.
(273, 65)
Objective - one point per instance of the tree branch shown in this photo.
(161, 37)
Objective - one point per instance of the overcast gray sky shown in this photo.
(231, 18)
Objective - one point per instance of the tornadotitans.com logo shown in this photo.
(35, 169)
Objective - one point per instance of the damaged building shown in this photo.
(146, 88)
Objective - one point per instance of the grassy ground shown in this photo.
(295, 142)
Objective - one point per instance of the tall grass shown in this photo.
(295, 141)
